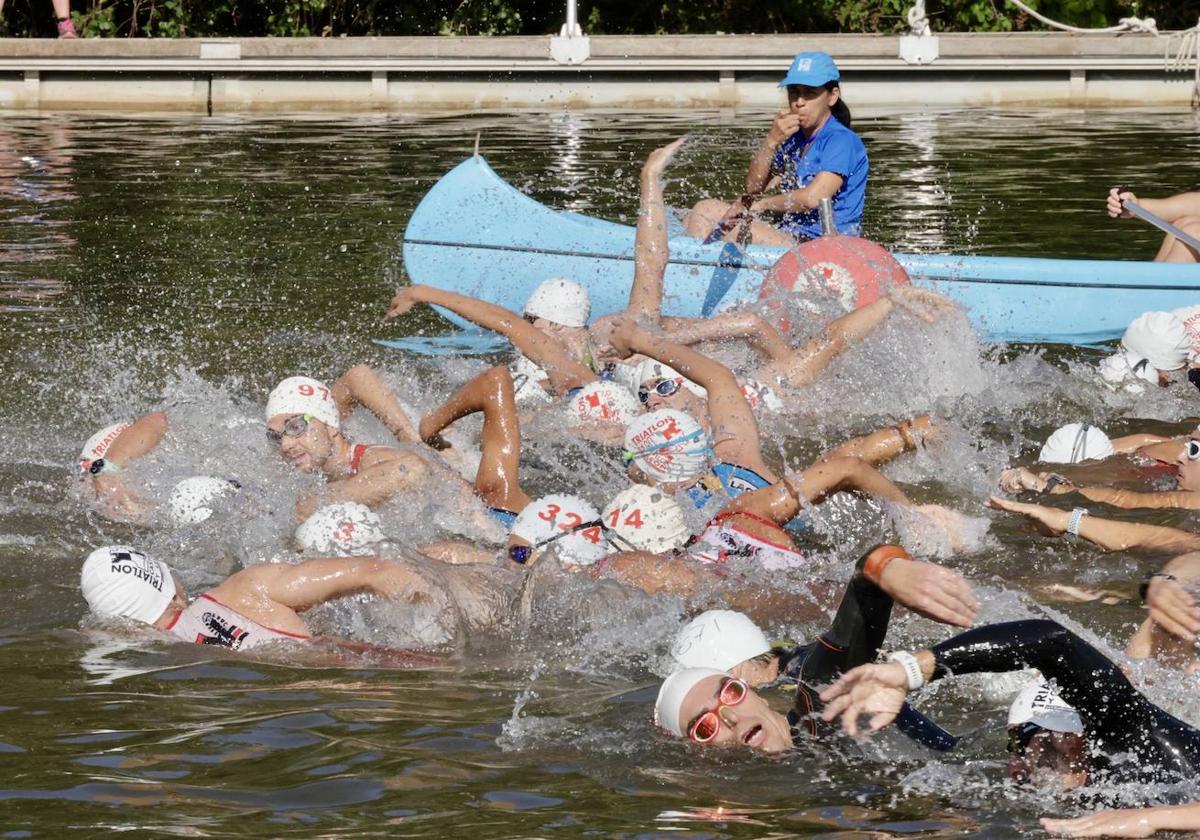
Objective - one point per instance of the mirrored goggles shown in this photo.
(293, 427)
(664, 388)
(707, 725)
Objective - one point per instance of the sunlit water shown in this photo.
(188, 264)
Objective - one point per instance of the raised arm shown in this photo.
(761, 169)
(734, 429)
(545, 351)
(362, 386)
(650, 249)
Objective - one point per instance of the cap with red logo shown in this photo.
(668, 446)
(604, 402)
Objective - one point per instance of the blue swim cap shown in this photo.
(811, 68)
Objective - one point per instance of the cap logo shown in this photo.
(804, 65)
(138, 565)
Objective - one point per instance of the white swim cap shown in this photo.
(1127, 367)
(561, 521)
(560, 301)
(342, 529)
(627, 375)
(121, 581)
(674, 691)
(1076, 442)
(668, 446)
(1038, 704)
(98, 444)
(604, 402)
(647, 519)
(718, 639)
(192, 500)
(301, 395)
(1189, 316)
(527, 381)
(651, 369)
(1160, 337)
(761, 396)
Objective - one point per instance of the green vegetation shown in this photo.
(332, 18)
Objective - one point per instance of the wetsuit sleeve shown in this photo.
(854, 638)
(1116, 716)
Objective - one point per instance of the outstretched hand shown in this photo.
(1114, 206)
(875, 690)
(623, 334)
(930, 590)
(1173, 608)
(922, 303)
(1128, 822)
(404, 300)
(1052, 519)
(657, 160)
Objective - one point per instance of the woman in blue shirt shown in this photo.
(810, 153)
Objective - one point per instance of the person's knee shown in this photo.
(704, 215)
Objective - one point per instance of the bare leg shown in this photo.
(1172, 250)
(491, 392)
(704, 216)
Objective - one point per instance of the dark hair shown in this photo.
(840, 109)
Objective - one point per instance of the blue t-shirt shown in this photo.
(835, 149)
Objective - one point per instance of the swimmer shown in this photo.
(304, 422)
(102, 463)
(252, 607)
(810, 153)
(1128, 822)
(1122, 736)
(709, 706)
(1155, 345)
(1181, 210)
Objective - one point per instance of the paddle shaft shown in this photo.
(1160, 223)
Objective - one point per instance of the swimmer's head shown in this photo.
(1045, 738)
(569, 524)
(1159, 337)
(302, 420)
(121, 582)
(666, 447)
(1076, 442)
(195, 499)
(642, 518)
(97, 447)
(711, 708)
(726, 641)
(559, 301)
(661, 386)
(603, 403)
(1189, 463)
(1127, 371)
(343, 529)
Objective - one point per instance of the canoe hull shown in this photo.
(475, 234)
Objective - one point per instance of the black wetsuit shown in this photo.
(854, 638)
(1116, 717)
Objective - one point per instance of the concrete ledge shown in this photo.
(277, 74)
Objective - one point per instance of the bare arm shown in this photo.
(734, 428)
(801, 366)
(564, 370)
(650, 249)
(318, 580)
(750, 327)
(1131, 443)
(362, 386)
(1131, 499)
(824, 185)
(373, 485)
(141, 436)
(1128, 822)
(1170, 208)
(1106, 533)
(758, 176)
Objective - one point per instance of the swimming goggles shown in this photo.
(631, 454)
(708, 724)
(520, 554)
(292, 427)
(1020, 735)
(664, 388)
(1079, 448)
(1193, 449)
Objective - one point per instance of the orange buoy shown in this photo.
(850, 269)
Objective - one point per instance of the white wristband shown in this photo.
(1073, 522)
(912, 668)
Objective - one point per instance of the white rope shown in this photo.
(1129, 24)
(1187, 53)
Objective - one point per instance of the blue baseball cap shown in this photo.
(811, 68)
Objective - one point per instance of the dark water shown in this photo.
(190, 263)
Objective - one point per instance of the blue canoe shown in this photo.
(475, 234)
